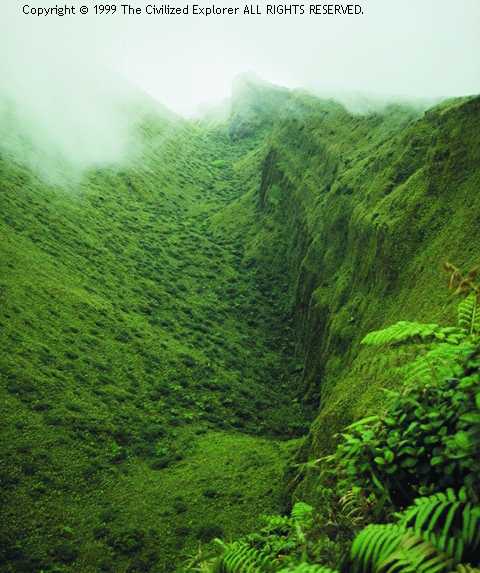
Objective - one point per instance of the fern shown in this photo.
(301, 516)
(240, 557)
(307, 568)
(301, 512)
(279, 535)
(393, 549)
(469, 314)
(432, 536)
(415, 554)
(442, 361)
(468, 324)
(373, 545)
(355, 506)
(449, 521)
(429, 438)
(405, 331)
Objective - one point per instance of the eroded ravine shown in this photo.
(149, 373)
(148, 367)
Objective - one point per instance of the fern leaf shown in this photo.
(469, 314)
(373, 545)
(239, 557)
(301, 511)
(448, 521)
(415, 555)
(442, 361)
(405, 331)
(307, 568)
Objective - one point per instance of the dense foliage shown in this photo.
(171, 325)
(416, 468)
(147, 372)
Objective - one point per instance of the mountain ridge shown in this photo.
(218, 288)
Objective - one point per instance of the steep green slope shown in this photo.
(167, 325)
(131, 336)
(360, 212)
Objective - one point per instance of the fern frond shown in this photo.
(373, 545)
(405, 331)
(441, 362)
(447, 520)
(301, 515)
(239, 557)
(307, 568)
(469, 314)
(355, 506)
(415, 554)
(301, 511)
(395, 549)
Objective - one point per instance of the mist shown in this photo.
(66, 83)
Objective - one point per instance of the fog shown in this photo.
(69, 76)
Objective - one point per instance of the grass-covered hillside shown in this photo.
(171, 325)
(146, 371)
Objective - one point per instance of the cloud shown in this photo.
(61, 103)
(68, 78)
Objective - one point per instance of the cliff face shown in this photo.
(360, 212)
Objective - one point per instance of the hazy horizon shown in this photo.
(64, 74)
(420, 49)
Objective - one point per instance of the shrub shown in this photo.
(208, 532)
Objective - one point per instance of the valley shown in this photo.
(139, 353)
(181, 333)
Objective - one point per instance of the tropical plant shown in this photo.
(434, 535)
(428, 439)
(307, 568)
(240, 557)
(422, 454)
(440, 349)
(264, 550)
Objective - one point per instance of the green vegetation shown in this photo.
(414, 469)
(133, 335)
(171, 327)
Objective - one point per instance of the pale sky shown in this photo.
(59, 70)
(398, 47)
